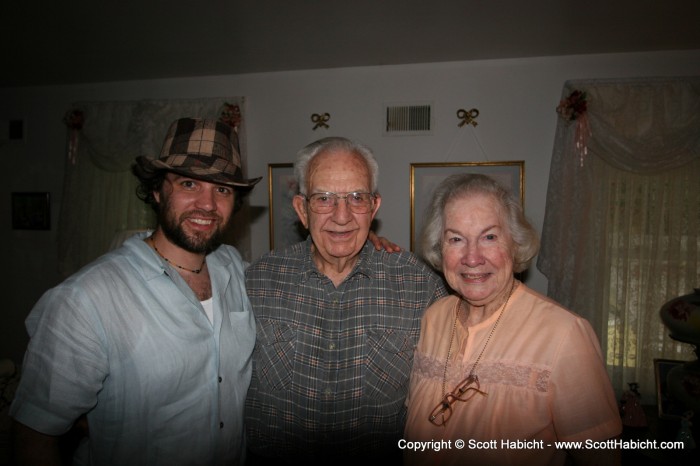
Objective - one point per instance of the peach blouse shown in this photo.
(543, 374)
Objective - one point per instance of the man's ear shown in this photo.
(299, 204)
(377, 203)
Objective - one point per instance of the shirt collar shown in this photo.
(153, 266)
(145, 257)
(364, 266)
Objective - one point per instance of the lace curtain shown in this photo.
(621, 230)
(99, 198)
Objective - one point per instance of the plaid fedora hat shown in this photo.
(203, 149)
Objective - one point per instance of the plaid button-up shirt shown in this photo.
(331, 365)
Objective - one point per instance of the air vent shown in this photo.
(407, 119)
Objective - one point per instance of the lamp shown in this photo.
(681, 316)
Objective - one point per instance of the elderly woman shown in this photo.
(499, 366)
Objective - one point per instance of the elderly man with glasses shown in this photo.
(337, 322)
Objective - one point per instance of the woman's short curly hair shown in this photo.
(463, 185)
(151, 180)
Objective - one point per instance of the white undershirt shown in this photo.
(208, 306)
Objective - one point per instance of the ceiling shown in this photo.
(83, 41)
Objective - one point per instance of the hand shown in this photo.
(382, 243)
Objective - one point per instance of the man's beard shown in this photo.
(196, 242)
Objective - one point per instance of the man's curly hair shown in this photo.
(150, 180)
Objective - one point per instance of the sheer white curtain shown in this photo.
(622, 231)
(99, 197)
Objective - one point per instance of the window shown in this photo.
(651, 253)
(621, 230)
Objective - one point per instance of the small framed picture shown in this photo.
(285, 226)
(31, 211)
(426, 176)
(669, 406)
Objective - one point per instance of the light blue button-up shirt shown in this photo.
(126, 341)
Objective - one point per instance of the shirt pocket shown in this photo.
(275, 353)
(388, 365)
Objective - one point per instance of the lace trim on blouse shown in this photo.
(504, 373)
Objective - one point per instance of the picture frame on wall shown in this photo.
(285, 226)
(31, 211)
(425, 177)
(668, 406)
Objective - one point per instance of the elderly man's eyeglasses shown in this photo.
(465, 391)
(325, 203)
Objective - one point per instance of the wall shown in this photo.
(516, 99)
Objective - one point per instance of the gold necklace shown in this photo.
(204, 259)
(478, 358)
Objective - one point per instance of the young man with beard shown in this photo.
(151, 342)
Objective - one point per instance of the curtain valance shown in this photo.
(642, 125)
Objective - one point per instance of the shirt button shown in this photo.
(220, 379)
(221, 425)
(331, 346)
(327, 392)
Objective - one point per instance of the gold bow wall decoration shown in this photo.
(320, 120)
(467, 117)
